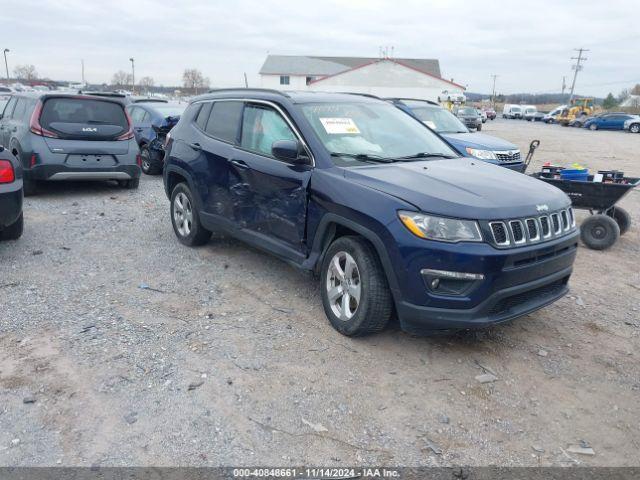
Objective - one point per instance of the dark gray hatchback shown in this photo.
(70, 137)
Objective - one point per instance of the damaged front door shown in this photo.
(271, 197)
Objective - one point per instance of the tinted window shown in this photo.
(80, 110)
(224, 121)
(203, 115)
(261, 126)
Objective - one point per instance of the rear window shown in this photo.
(83, 111)
(224, 121)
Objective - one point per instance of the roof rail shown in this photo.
(413, 99)
(247, 89)
(362, 95)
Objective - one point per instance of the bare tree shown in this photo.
(121, 79)
(635, 90)
(193, 79)
(25, 72)
(146, 83)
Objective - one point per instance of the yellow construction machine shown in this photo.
(578, 110)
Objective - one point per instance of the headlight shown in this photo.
(440, 228)
(481, 154)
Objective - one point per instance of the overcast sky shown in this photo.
(528, 44)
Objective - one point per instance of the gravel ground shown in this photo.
(119, 346)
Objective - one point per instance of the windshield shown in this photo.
(440, 120)
(170, 110)
(372, 130)
(467, 111)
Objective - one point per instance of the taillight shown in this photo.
(34, 160)
(7, 175)
(139, 159)
(34, 124)
(128, 135)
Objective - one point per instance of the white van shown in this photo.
(551, 116)
(528, 111)
(512, 111)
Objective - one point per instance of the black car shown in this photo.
(152, 121)
(11, 221)
(70, 137)
(470, 117)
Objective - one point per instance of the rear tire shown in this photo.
(479, 127)
(13, 231)
(622, 218)
(599, 232)
(30, 187)
(185, 218)
(149, 166)
(355, 294)
(129, 184)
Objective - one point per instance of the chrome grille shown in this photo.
(508, 156)
(517, 232)
(499, 231)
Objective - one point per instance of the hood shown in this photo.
(461, 188)
(478, 140)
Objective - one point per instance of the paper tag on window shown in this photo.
(429, 124)
(339, 126)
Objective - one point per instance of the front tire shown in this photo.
(355, 294)
(635, 128)
(599, 232)
(593, 127)
(479, 127)
(185, 218)
(13, 231)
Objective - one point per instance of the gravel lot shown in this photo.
(119, 346)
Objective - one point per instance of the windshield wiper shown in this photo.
(426, 155)
(364, 157)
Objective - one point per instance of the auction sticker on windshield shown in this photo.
(339, 126)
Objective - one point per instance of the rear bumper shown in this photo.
(10, 203)
(503, 305)
(64, 172)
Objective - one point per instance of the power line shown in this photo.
(577, 67)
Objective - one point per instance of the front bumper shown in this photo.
(10, 203)
(516, 281)
(503, 305)
(64, 172)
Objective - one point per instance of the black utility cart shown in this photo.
(607, 222)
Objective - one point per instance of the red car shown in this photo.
(490, 112)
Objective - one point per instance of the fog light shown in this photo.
(444, 282)
(454, 275)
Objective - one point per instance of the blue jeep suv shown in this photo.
(477, 145)
(372, 201)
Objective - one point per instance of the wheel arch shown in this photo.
(333, 226)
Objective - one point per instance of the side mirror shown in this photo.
(290, 151)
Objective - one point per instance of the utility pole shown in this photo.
(82, 63)
(493, 95)
(564, 84)
(133, 76)
(246, 84)
(577, 67)
(6, 65)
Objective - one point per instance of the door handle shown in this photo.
(196, 146)
(239, 163)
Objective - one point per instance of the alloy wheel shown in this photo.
(344, 287)
(183, 214)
